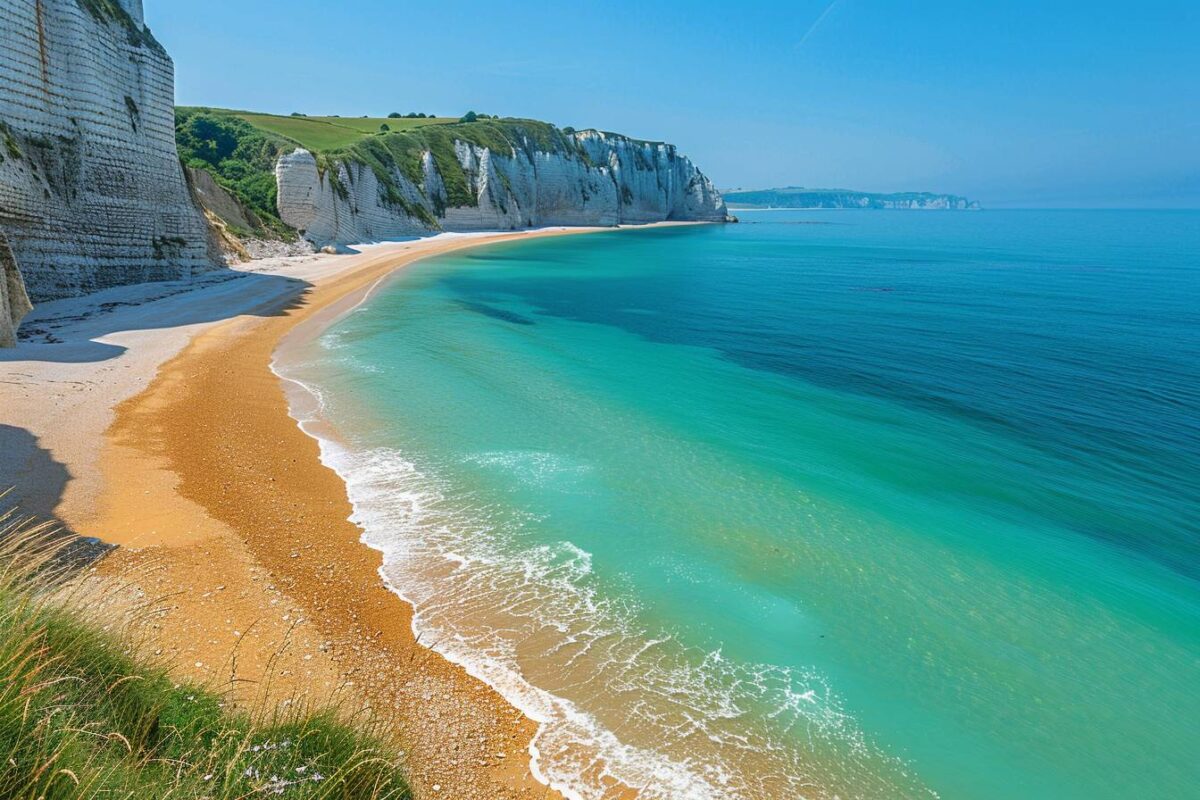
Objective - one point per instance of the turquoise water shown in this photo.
(874, 504)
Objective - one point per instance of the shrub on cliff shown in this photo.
(239, 156)
(208, 138)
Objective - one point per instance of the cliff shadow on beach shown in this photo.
(32, 483)
(72, 330)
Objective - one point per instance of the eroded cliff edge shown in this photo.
(528, 175)
(92, 193)
(387, 178)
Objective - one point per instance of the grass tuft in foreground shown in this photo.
(79, 718)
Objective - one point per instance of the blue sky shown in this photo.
(1013, 102)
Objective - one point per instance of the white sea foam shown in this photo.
(533, 467)
(614, 703)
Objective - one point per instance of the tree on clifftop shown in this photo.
(208, 138)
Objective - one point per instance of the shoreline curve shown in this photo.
(212, 446)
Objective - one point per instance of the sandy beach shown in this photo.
(149, 417)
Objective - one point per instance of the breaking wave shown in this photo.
(617, 705)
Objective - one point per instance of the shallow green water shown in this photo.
(874, 503)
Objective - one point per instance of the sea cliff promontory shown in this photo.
(341, 181)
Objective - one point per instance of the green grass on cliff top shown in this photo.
(240, 148)
(323, 134)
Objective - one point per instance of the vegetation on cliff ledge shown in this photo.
(240, 157)
(11, 149)
(404, 152)
(110, 11)
(240, 149)
(81, 718)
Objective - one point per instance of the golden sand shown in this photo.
(232, 526)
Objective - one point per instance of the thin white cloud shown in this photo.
(817, 23)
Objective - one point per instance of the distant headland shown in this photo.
(799, 197)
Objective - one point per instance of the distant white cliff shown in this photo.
(798, 197)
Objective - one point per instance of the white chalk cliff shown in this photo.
(92, 194)
(602, 180)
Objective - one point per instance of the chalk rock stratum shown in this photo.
(600, 179)
(92, 193)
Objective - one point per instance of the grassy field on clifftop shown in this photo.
(321, 134)
(81, 718)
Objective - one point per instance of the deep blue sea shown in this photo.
(863, 504)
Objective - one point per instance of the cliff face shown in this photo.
(14, 302)
(586, 178)
(91, 191)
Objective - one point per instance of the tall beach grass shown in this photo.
(80, 717)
